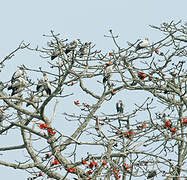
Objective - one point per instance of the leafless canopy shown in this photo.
(148, 141)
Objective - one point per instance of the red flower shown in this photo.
(167, 124)
(141, 75)
(43, 126)
(104, 163)
(110, 54)
(76, 102)
(89, 172)
(51, 131)
(157, 51)
(117, 176)
(173, 130)
(144, 125)
(44, 134)
(184, 122)
(113, 92)
(72, 83)
(84, 162)
(150, 77)
(95, 163)
(71, 170)
(126, 166)
(115, 171)
(116, 145)
(47, 155)
(118, 132)
(92, 164)
(91, 75)
(129, 133)
(55, 162)
(40, 174)
(86, 105)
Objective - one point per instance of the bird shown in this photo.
(58, 50)
(47, 87)
(84, 49)
(119, 106)
(19, 73)
(44, 85)
(17, 85)
(71, 46)
(108, 71)
(55, 54)
(151, 174)
(142, 44)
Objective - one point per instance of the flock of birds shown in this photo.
(18, 82)
(18, 85)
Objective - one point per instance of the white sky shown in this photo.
(84, 19)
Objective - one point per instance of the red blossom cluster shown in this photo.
(77, 102)
(184, 122)
(156, 51)
(111, 54)
(73, 83)
(44, 126)
(86, 105)
(129, 134)
(93, 164)
(55, 162)
(141, 75)
(142, 126)
(126, 166)
(71, 170)
(116, 175)
(91, 75)
(168, 125)
(104, 163)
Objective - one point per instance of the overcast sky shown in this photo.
(84, 19)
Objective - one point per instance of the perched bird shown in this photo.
(47, 87)
(151, 174)
(58, 51)
(142, 44)
(71, 46)
(55, 54)
(119, 106)
(108, 71)
(17, 85)
(44, 85)
(20, 72)
(84, 49)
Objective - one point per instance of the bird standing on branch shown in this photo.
(119, 106)
(108, 71)
(84, 49)
(44, 85)
(20, 72)
(142, 44)
(71, 46)
(17, 85)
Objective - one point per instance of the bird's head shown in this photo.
(76, 41)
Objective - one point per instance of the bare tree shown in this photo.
(147, 142)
